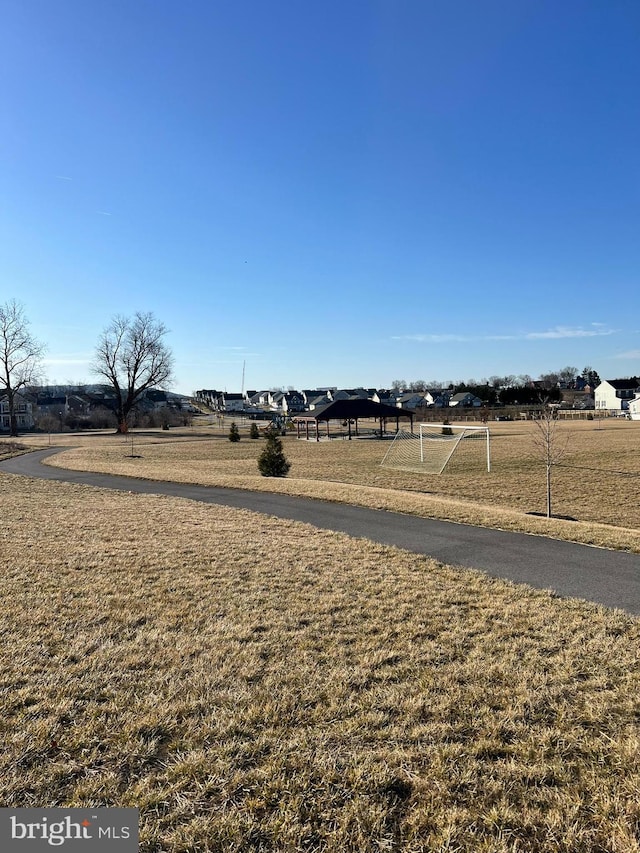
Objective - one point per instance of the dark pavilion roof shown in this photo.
(341, 410)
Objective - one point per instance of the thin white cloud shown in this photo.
(432, 339)
(557, 333)
(632, 353)
(103, 213)
(567, 332)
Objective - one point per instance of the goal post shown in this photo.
(433, 447)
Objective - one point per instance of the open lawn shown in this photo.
(597, 485)
(256, 684)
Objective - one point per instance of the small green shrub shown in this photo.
(234, 435)
(272, 461)
(254, 432)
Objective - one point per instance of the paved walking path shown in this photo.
(611, 578)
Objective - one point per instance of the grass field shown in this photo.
(257, 685)
(250, 686)
(598, 484)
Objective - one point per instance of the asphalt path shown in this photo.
(611, 578)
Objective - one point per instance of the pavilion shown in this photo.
(348, 412)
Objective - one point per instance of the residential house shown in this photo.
(364, 393)
(23, 413)
(275, 400)
(293, 402)
(634, 408)
(154, 399)
(614, 395)
(412, 400)
(317, 402)
(209, 396)
(54, 405)
(78, 405)
(465, 400)
(259, 399)
(385, 396)
(343, 394)
(441, 397)
(231, 402)
(309, 394)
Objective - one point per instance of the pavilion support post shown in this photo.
(328, 435)
(349, 427)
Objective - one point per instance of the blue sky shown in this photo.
(334, 193)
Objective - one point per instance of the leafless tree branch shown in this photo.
(550, 444)
(132, 356)
(20, 356)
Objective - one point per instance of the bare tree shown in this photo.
(549, 380)
(568, 375)
(133, 356)
(20, 356)
(550, 444)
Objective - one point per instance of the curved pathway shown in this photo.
(611, 578)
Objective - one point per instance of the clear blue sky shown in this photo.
(336, 193)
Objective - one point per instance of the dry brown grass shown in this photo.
(9, 448)
(598, 484)
(254, 684)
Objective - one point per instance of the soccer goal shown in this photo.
(434, 446)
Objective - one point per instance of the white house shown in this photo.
(634, 408)
(317, 402)
(275, 400)
(208, 396)
(231, 402)
(464, 399)
(614, 395)
(260, 398)
(413, 399)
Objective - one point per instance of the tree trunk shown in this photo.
(548, 491)
(121, 415)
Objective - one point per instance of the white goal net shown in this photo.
(435, 446)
